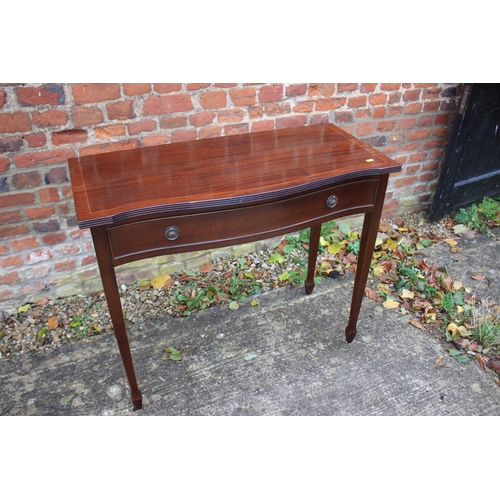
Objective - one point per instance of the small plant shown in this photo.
(480, 217)
(487, 331)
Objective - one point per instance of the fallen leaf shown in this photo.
(417, 324)
(407, 294)
(23, 309)
(459, 228)
(248, 357)
(372, 294)
(52, 323)
(206, 268)
(390, 304)
(481, 360)
(334, 248)
(455, 250)
(378, 270)
(254, 303)
(173, 354)
(159, 281)
(457, 285)
(234, 305)
(384, 226)
(495, 366)
(478, 276)
(451, 242)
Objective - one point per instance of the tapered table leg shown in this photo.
(313, 254)
(368, 238)
(108, 277)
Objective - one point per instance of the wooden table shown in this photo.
(204, 194)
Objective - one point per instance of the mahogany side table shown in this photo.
(208, 193)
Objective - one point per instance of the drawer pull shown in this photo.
(331, 201)
(171, 233)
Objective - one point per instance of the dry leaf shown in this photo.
(481, 360)
(417, 324)
(159, 281)
(52, 323)
(451, 242)
(478, 276)
(372, 294)
(407, 294)
(206, 268)
(391, 304)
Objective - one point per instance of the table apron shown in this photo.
(173, 234)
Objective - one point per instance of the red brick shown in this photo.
(14, 261)
(91, 115)
(440, 131)
(8, 278)
(405, 181)
(362, 113)
(123, 110)
(411, 146)
(39, 255)
(241, 128)
(88, 93)
(418, 157)
(442, 119)
(50, 118)
(394, 98)
(406, 123)
(4, 249)
(262, 125)
(201, 119)
(230, 116)
(379, 112)
(26, 180)
(36, 140)
(411, 95)
(418, 135)
(132, 89)
(10, 217)
(47, 226)
(160, 105)
(291, 121)
(4, 164)
(183, 135)
(48, 195)
(255, 112)
(165, 88)
(321, 89)
(12, 231)
(377, 99)
(39, 212)
(347, 87)
(108, 131)
(196, 86)
(139, 127)
(390, 86)
(225, 85)
(109, 146)
(24, 244)
(413, 108)
(368, 88)
(54, 238)
(431, 106)
(365, 128)
(282, 108)
(14, 122)
(271, 93)
(319, 118)
(155, 140)
(385, 126)
(3, 98)
(296, 89)
(430, 93)
(36, 96)
(88, 260)
(18, 199)
(207, 132)
(69, 136)
(213, 99)
(343, 117)
(67, 191)
(448, 105)
(329, 103)
(243, 97)
(70, 249)
(356, 101)
(173, 121)
(303, 106)
(43, 158)
(425, 121)
(67, 265)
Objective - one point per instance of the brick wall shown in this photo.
(42, 251)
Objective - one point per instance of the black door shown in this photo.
(471, 168)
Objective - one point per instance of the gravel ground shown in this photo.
(49, 323)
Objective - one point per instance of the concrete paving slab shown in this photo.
(303, 366)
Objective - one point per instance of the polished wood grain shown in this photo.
(217, 192)
(219, 172)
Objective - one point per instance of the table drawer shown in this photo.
(170, 234)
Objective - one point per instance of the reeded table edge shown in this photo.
(234, 201)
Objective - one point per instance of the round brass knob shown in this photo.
(171, 233)
(331, 201)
